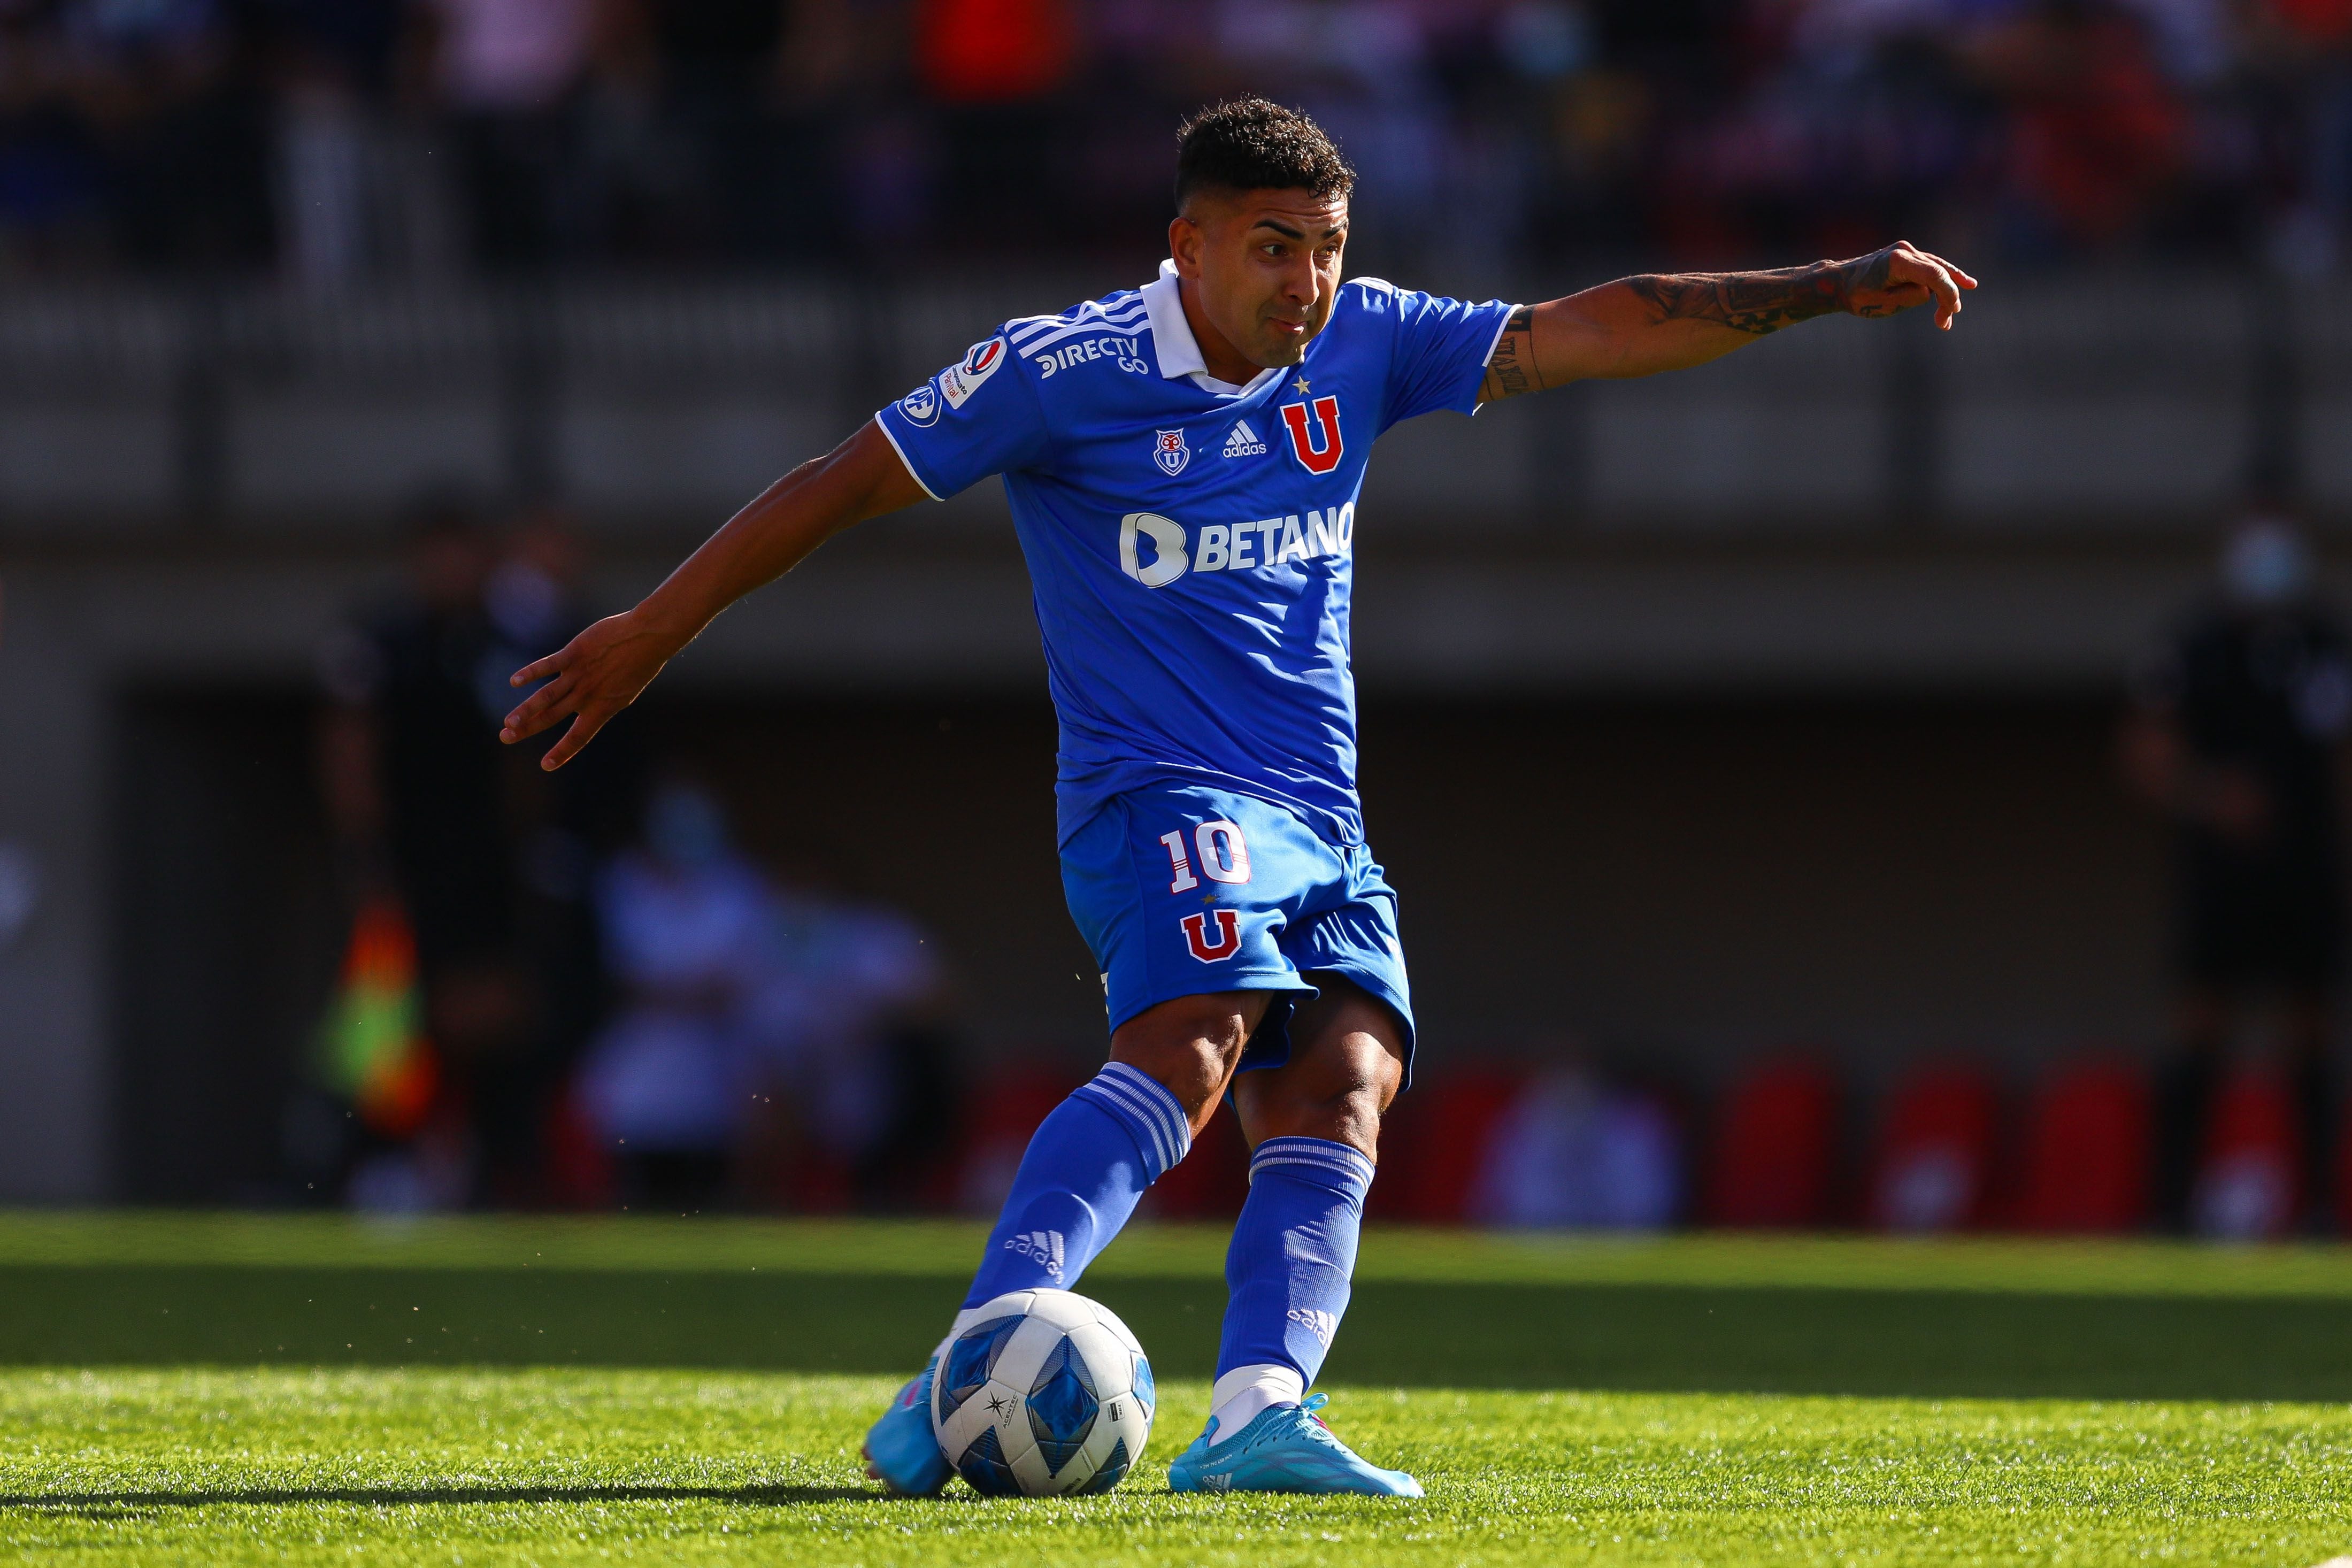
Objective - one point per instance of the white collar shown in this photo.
(1173, 342)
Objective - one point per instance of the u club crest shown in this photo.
(1168, 450)
(1317, 447)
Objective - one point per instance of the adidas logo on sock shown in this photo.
(1243, 442)
(1321, 1324)
(1043, 1248)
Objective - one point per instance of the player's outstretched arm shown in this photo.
(1640, 326)
(602, 670)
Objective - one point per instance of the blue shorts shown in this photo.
(1182, 890)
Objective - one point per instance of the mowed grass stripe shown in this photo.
(558, 1467)
(947, 1248)
(1404, 1333)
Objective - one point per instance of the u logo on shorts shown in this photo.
(1229, 935)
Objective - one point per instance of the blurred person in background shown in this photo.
(2238, 737)
(850, 1021)
(906, 1025)
(323, 174)
(559, 828)
(722, 75)
(505, 75)
(2301, 52)
(182, 126)
(342, 201)
(690, 927)
(635, 189)
(52, 191)
(2096, 133)
(769, 1044)
(1573, 1151)
(416, 788)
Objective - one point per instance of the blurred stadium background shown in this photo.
(1769, 718)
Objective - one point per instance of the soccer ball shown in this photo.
(1047, 1393)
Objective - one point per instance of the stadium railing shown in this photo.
(2065, 402)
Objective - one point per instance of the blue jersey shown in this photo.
(1191, 544)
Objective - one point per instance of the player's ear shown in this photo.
(1184, 240)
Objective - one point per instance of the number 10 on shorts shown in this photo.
(1225, 858)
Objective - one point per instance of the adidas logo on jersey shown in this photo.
(1322, 1325)
(1043, 1248)
(1243, 442)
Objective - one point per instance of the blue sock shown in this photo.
(1287, 1274)
(1085, 1169)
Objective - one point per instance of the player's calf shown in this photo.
(1085, 1169)
(1316, 1123)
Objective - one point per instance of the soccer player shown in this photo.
(1183, 462)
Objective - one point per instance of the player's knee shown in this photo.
(1361, 1075)
(1360, 1068)
(1368, 1085)
(1338, 1091)
(1194, 1071)
(1190, 1047)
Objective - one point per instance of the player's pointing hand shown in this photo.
(1902, 276)
(603, 670)
(590, 679)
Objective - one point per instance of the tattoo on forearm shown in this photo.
(1511, 368)
(1760, 302)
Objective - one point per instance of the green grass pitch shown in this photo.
(228, 1390)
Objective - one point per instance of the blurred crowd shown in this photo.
(577, 988)
(329, 141)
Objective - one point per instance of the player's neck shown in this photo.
(1221, 360)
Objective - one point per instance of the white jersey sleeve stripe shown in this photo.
(1024, 342)
(1092, 311)
(1116, 329)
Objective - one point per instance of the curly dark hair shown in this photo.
(1250, 144)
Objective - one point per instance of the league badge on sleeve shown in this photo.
(959, 382)
(1168, 450)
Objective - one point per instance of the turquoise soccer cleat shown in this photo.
(1284, 1450)
(902, 1452)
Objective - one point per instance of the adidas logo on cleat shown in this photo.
(1042, 1247)
(1243, 442)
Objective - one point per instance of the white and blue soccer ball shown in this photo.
(1045, 1394)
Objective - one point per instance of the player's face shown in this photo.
(1267, 264)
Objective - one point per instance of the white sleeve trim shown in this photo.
(884, 426)
(1492, 344)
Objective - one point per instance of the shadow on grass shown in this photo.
(104, 1505)
(1931, 1343)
